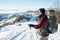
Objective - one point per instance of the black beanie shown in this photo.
(42, 10)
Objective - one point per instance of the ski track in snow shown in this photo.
(23, 32)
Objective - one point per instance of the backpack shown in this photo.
(53, 26)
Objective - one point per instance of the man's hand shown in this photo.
(30, 25)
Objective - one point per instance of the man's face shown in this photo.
(39, 13)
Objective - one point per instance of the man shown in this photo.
(43, 24)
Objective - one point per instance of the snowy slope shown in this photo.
(21, 31)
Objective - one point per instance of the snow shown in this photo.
(21, 31)
(56, 35)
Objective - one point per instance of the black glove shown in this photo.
(30, 25)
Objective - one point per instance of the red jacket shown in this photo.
(41, 24)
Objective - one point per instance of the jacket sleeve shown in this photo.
(41, 23)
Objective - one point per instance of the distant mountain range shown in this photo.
(31, 11)
(3, 16)
(6, 16)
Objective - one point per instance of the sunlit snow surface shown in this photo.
(21, 31)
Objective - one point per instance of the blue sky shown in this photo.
(25, 4)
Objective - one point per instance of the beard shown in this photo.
(41, 15)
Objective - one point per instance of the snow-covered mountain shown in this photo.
(3, 16)
(21, 31)
(17, 17)
(6, 16)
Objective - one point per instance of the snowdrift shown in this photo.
(21, 31)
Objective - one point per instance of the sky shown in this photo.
(23, 5)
